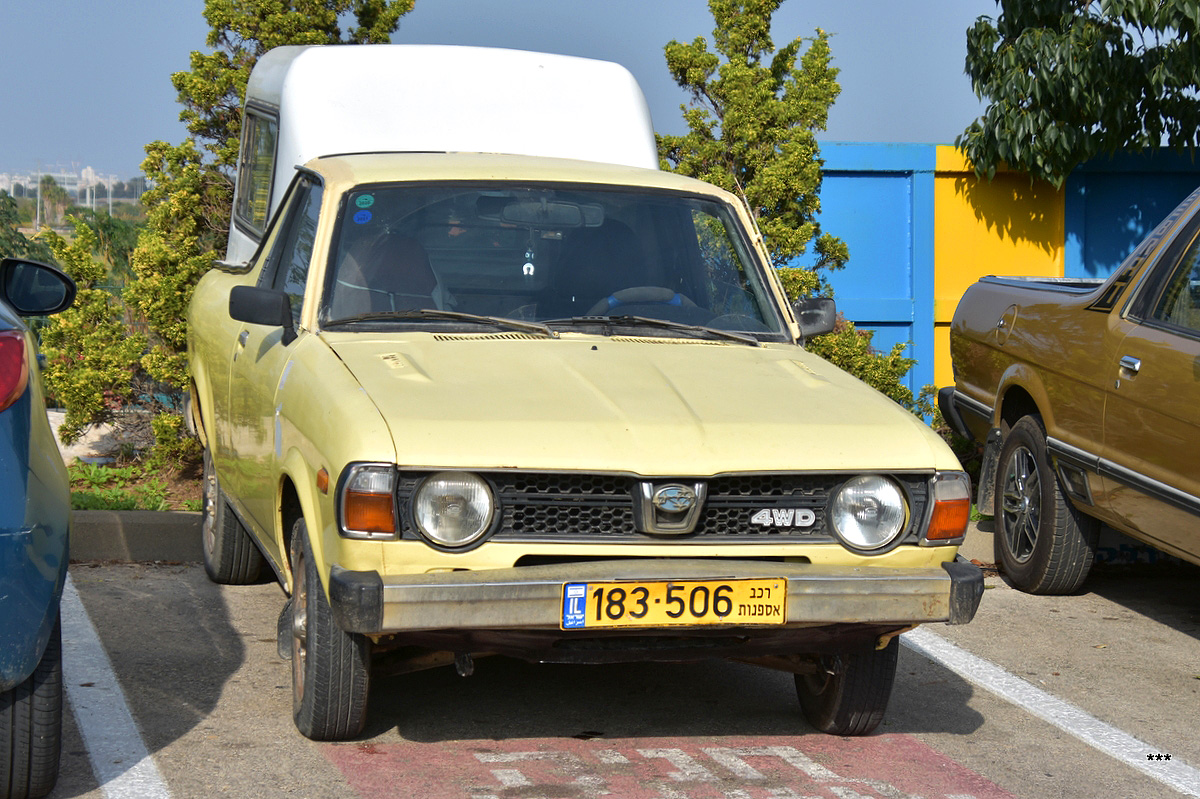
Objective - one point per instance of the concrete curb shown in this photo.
(135, 536)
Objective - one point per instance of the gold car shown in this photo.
(1087, 394)
(471, 404)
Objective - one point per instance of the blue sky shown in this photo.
(87, 82)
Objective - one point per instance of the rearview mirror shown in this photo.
(815, 315)
(260, 306)
(35, 289)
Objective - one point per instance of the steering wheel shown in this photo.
(640, 295)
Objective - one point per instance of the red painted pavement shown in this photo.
(816, 766)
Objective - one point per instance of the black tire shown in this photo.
(850, 692)
(230, 555)
(31, 728)
(330, 667)
(1042, 543)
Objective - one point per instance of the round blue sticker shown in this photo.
(362, 217)
(364, 200)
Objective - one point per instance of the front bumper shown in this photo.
(530, 597)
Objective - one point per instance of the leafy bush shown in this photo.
(92, 357)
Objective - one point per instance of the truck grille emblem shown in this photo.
(668, 508)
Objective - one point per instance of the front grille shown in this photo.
(589, 508)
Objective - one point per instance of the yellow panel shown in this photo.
(943, 373)
(1008, 226)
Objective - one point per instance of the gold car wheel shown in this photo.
(1044, 545)
(1022, 504)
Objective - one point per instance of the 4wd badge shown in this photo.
(784, 517)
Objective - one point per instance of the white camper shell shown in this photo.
(310, 101)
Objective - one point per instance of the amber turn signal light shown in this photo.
(368, 502)
(951, 507)
(369, 513)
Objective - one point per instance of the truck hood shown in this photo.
(649, 406)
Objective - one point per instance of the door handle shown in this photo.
(1130, 365)
(241, 343)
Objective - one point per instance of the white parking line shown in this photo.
(1067, 717)
(119, 758)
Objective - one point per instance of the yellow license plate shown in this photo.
(673, 603)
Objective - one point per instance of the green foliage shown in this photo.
(54, 198)
(1068, 80)
(115, 240)
(14, 243)
(753, 122)
(173, 446)
(188, 208)
(97, 486)
(91, 356)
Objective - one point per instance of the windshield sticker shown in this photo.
(362, 217)
(364, 200)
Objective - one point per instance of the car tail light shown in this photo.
(14, 367)
(951, 507)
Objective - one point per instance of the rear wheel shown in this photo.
(31, 728)
(1042, 542)
(330, 667)
(849, 693)
(230, 555)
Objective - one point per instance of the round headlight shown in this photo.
(868, 512)
(453, 509)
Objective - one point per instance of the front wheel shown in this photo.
(330, 667)
(1042, 542)
(31, 728)
(849, 693)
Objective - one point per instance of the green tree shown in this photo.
(752, 130)
(753, 121)
(14, 243)
(91, 356)
(188, 208)
(1068, 80)
(115, 240)
(54, 199)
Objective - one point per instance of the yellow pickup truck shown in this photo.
(467, 403)
(1087, 396)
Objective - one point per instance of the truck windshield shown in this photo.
(544, 254)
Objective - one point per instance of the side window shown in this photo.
(256, 170)
(1179, 304)
(291, 245)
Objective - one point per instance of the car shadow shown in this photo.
(169, 635)
(510, 699)
(1164, 591)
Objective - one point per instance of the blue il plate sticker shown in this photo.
(574, 605)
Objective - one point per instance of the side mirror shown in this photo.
(259, 306)
(815, 315)
(35, 289)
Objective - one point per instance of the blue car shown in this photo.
(35, 514)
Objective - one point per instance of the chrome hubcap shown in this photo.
(1021, 504)
(209, 520)
(299, 628)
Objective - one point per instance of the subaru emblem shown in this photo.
(674, 498)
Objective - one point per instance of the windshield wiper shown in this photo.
(647, 321)
(452, 316)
